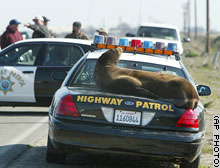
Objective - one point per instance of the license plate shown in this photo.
(127, 117)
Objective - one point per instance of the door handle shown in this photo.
(27, 72)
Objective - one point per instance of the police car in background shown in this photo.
(159, 32)
(28, 69)
(125, 124)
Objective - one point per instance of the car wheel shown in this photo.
(194, 164)
(54, 155)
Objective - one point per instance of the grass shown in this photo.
(208, 104)
(204, 73)
(192, 54)
(207, 149)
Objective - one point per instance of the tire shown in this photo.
(194, 164)
(54, 155)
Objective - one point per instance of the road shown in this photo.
(23, 141)
(23, 138)
(20, 128)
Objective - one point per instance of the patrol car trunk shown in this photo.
(128, 111)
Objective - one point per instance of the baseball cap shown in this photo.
(102, 30)
(38, 18)
(14, 21)
(46, 19)
(77, 24)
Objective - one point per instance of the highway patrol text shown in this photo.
(119, 101)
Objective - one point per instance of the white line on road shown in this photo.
(18, 139)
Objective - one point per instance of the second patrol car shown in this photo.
(30, 69)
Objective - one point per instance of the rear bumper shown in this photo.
(173, 146)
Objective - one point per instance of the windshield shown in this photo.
(85, 75)
(157, 32)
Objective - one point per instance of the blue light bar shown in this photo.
(172, 46)
(123, 42)
(148, 44)
(99, 39)
(112, 40)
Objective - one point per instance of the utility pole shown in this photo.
(208, 30)
(184, 23)
(195, 4)
(188, 10)
(185, 20)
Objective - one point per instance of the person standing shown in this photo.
(40, 30)
(46, 20)
(104, 32)
(11, 35)
(77, 33)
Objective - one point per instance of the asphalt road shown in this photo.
(23, 141)
(20, 128)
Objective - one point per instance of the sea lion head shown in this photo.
(111, 56)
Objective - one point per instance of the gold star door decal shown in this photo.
(6, 85)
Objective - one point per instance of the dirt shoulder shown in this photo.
(204, 73)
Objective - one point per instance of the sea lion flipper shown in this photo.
(146, 93)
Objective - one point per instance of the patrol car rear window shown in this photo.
(157, 32)
(85, 75)
(62, 55)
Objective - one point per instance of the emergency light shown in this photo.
(99, 39)
(135, 43)
(172, 46)
(123, 42)
(137, 50)
(148, 44)
(112, 40)
(136, 46)
(160, 45)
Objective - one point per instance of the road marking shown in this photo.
(18, 139)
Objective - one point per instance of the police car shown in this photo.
(29, 69)
(160, 32)
(84, 118)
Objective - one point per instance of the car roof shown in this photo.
(146, 58)
(159, 25)
(65, 40)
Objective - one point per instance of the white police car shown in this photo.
(159, 32)
(125, 123)
(28, 67)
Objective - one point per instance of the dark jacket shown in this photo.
(40, 31)
(9, 37)
(77, 36)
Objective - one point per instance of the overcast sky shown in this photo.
(107, 13)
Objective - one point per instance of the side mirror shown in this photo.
(59, 75)
(203, 90)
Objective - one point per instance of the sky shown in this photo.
(107, 13)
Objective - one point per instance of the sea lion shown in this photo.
(110, 77)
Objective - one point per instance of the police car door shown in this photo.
(59, 57)
(17, 73)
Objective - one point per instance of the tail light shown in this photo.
(67, 107)
(189, 119)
